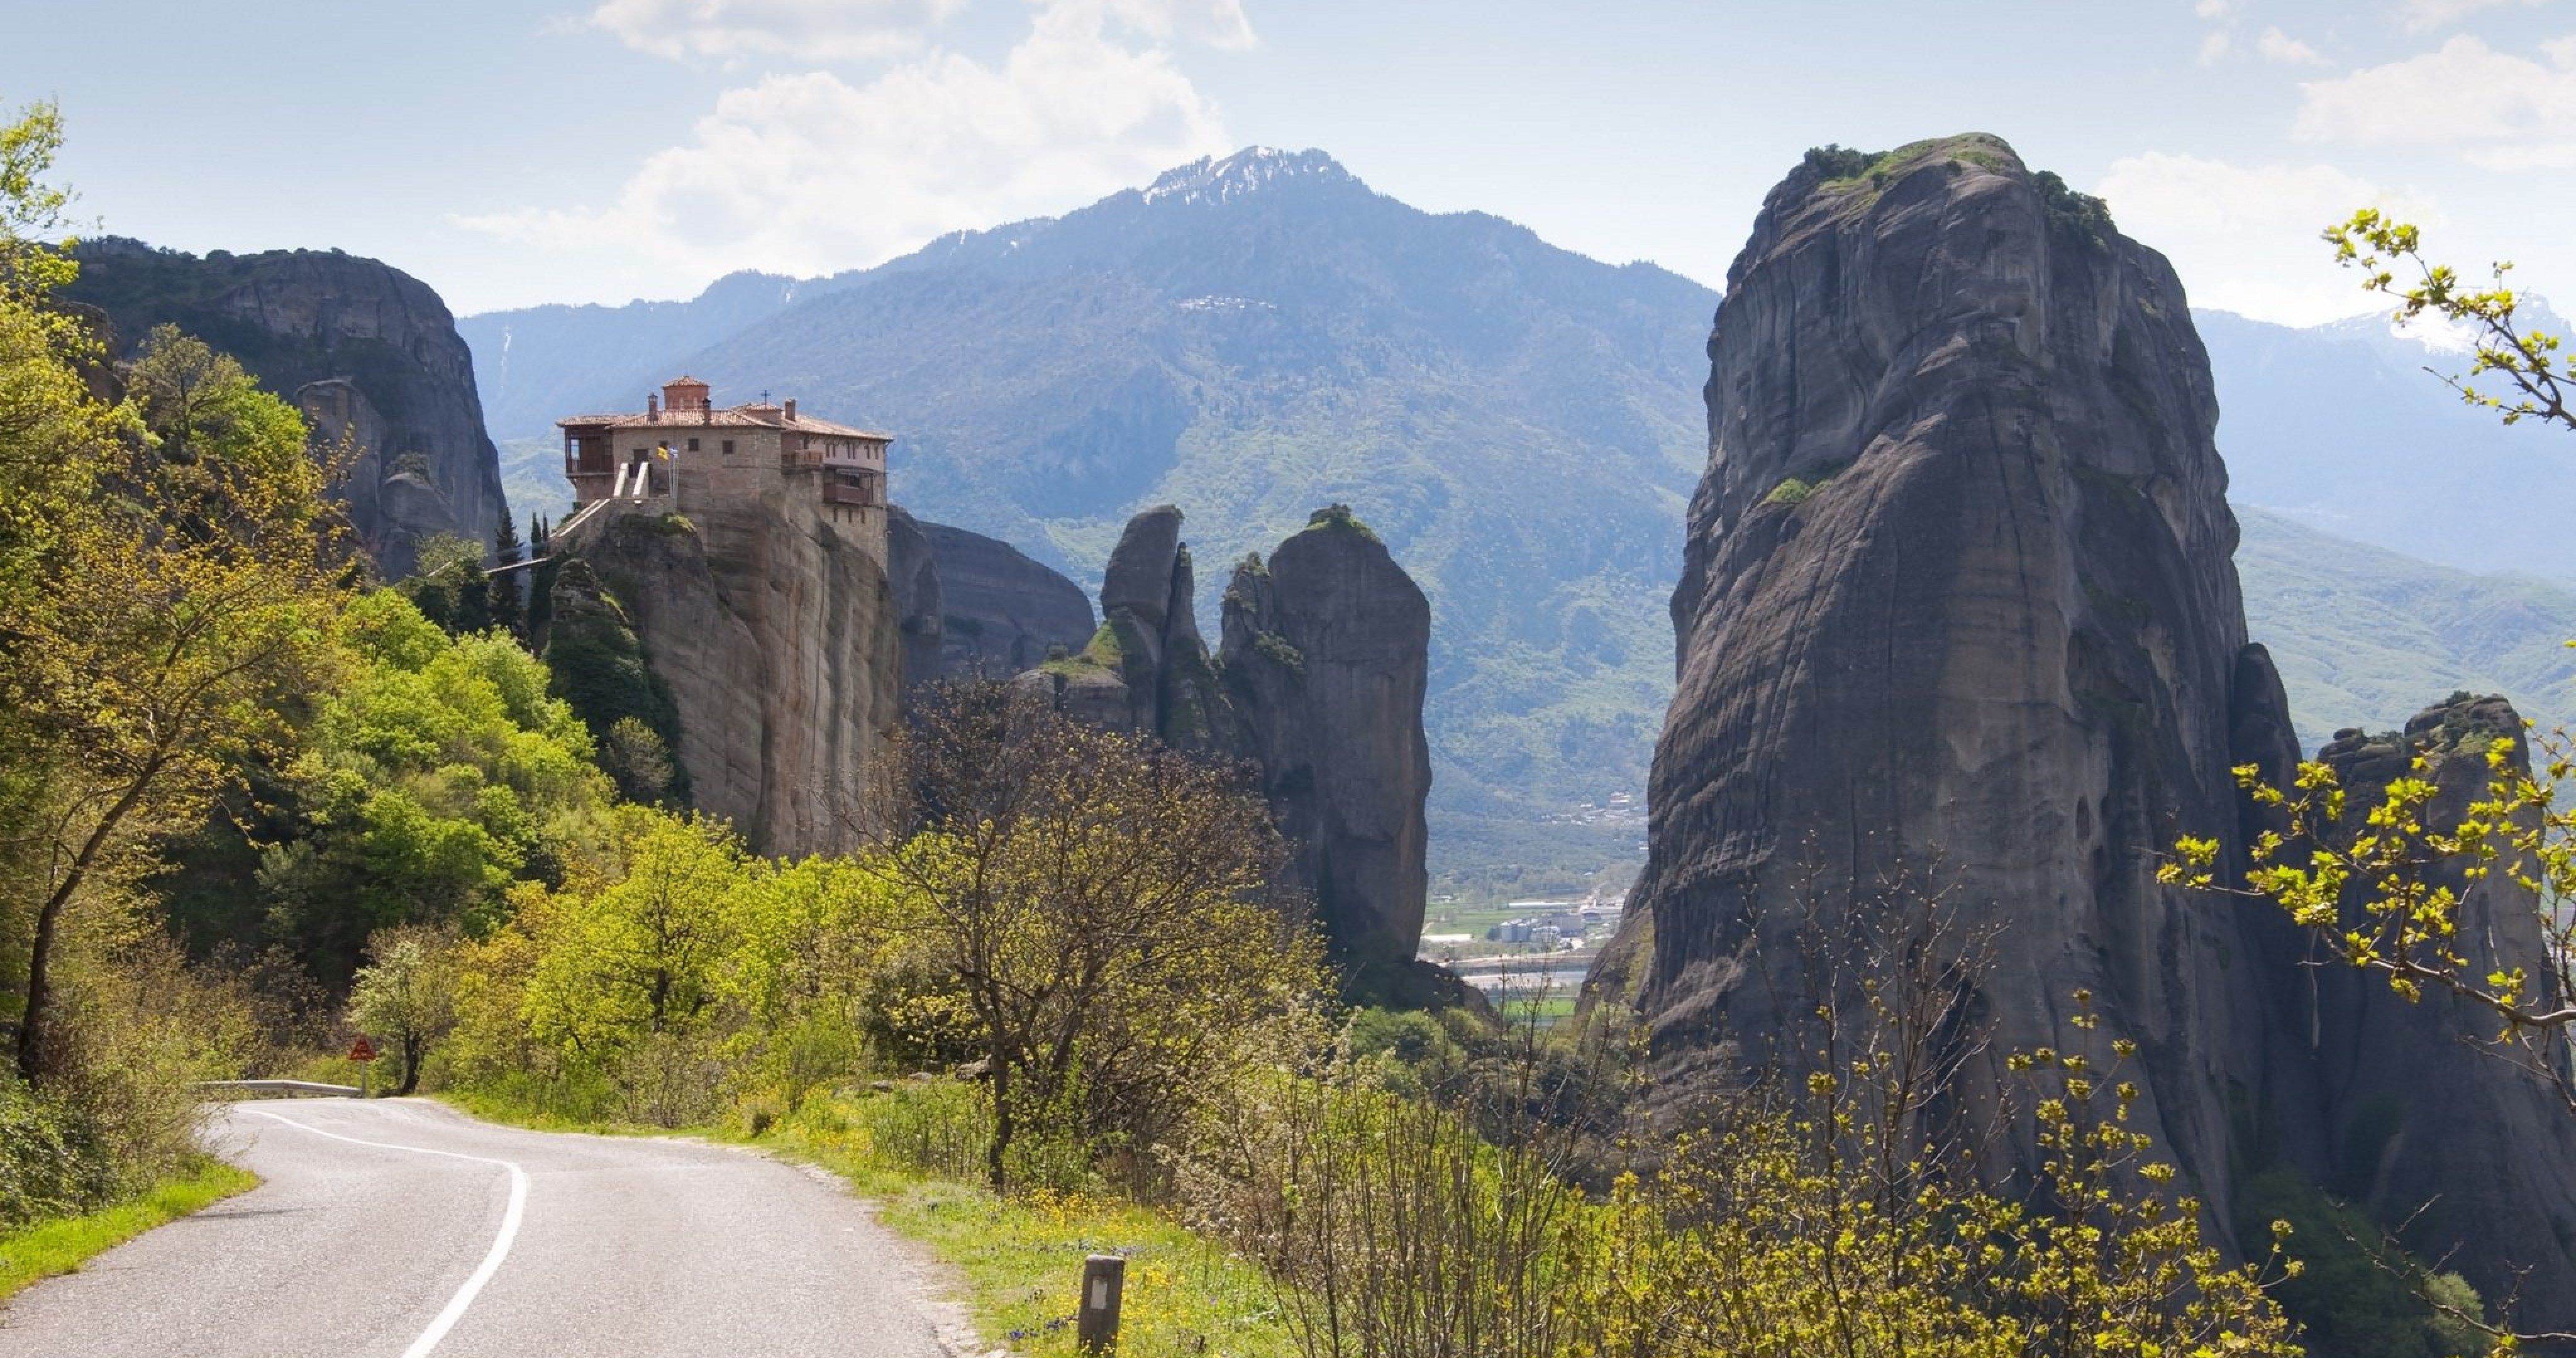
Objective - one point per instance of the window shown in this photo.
(693, 445)
(728, 447)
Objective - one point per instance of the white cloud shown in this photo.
(815, 30)
(2212, 48)
(2423, 16)
(2506, 111)
(2281, 49)
(808, 173)
(2213, 9)
(2197, 194)
(1218, 23)
(2245, 238)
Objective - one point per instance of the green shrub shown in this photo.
(1831, 162)
(940, 1126)
(1278, 649)
(1339, 518)
(1795, 490)
(2356, 1295)
(53, 1162)
(754, 1114)
(1790, 491)
(2079, 217)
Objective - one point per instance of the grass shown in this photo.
(1791, 491)
(1546, 1011)
(34, 1253)
(1105, 652)
(1020, 1257)
(1796, 490)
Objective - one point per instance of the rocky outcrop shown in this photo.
(776, 633)
(1957, 608)
(1319, 688)
(2480, 1164)
(920, 606)
(368, 352)
(973, 605)
(1327, 654)
(1147, 668)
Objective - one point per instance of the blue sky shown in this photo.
(605, 149)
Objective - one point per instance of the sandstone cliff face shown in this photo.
(1147, 668)
(2408, 1118)
(1957, 600)
(366, 350)
(778, 639)
(974, 605)
(1327, 654)
(1319, 687)
(920, 606)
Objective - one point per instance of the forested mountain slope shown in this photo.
(1256, 336)
(2366, 637)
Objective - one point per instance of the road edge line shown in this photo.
(501, 1241)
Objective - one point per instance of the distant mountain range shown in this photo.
(2398, 544)
(2342, 428)
(1256, 336)
(2367, 637)
(1252, 338)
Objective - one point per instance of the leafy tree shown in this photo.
(1766, 1237)
(34, 258)
(809, 941)
(502, 590)
(2412, 874)
(448, 586)
(175, 607)
(639, 957)
(2352, 1301)
(1103, 905)
(437, 774)
(635, 758)
(405, 995)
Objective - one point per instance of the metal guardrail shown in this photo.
(282, 1087)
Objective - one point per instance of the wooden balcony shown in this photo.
(843, 493)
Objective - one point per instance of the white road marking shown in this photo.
(500, 1250)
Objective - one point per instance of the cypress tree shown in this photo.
(501, 590)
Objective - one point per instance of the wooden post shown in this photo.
(1095, 1326)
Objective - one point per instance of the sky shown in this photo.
(517, 153)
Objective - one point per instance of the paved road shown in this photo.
(400, 1227)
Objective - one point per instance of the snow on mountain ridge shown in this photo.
(2440, 335)
(1212, 180)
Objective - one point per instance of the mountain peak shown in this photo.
(2439, 335)
(1212, 180)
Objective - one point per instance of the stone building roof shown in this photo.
(734, 417)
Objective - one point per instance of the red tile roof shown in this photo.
(754, 416)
